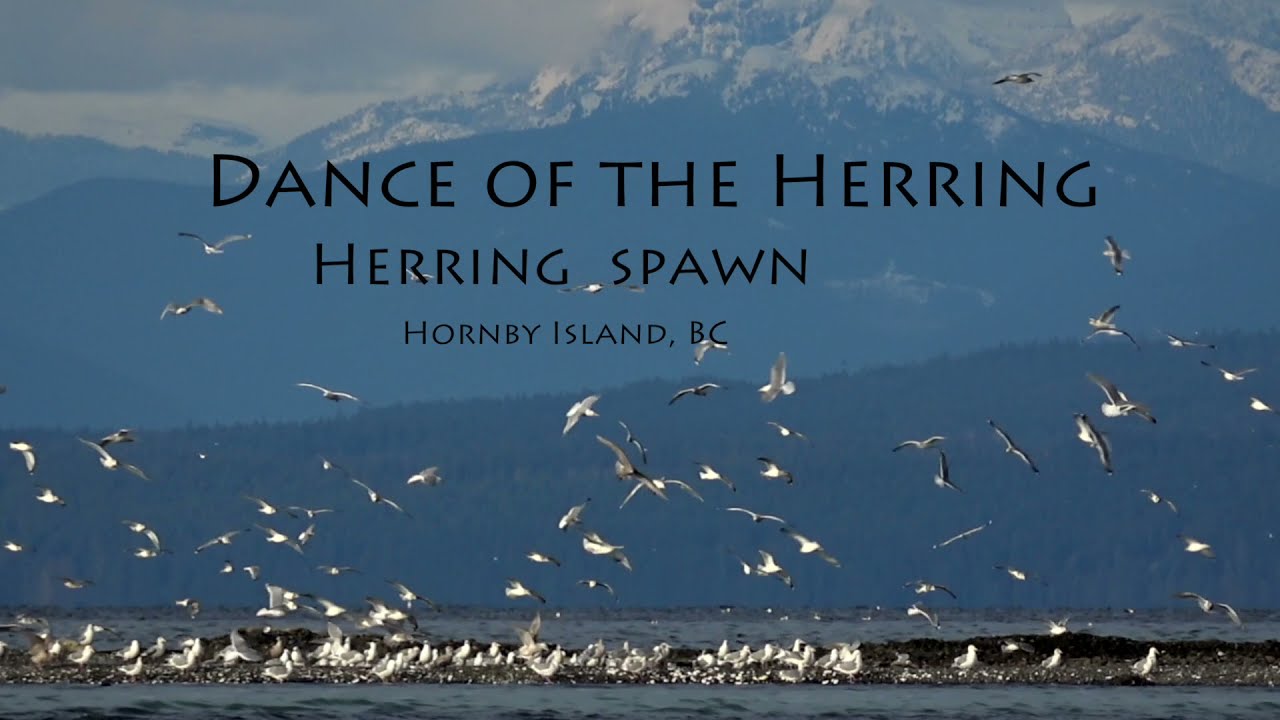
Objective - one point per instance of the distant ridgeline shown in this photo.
(1095, 539)
(515, 183)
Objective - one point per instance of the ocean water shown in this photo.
(319, 702)
(704, 628)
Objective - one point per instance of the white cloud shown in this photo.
(139, 71)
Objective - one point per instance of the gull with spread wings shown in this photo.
(1012, 448)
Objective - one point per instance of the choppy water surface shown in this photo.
(660, 703)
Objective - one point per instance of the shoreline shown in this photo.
(1087, 660)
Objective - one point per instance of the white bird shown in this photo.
(583, 408)
(142, 529)
(74, 584)
(264, 507)
(785, 431)
(1178, 342)
(216, 248)
(923, 587)
(706, 472)
(773, 471)
(1015, 573)
(191, 604)
(1229, 375)
(28, 454)
(516, 589)
(1011, 448)
(593, 584)
(375, 497)
(223, 539)
(1147, 665)
(916, 609)
(635, 442)
(1115, 254)
(1058, 627)
(700, 349)
(573, 516)
(943, 477)
(809, 546)
(412, 275)
(699, 390)
(203, 303)
(123, 435)
(967, 533)
(1118, 404)
(1256, 404)
(1090, 436)
(1053, 660)
(275, 536)
(13, 546)
(109, 461)
(1018, 78)
(538, 557)
(428, 476)
(757, 517)
(968, 660)
(49, 496)
(778, 382)
(769, 566)
(1156, 499)
(1196, 546)
(407, 596)
(625, 470)
(920, 444)
(242, 649)
(330, 394)
(1208, 606)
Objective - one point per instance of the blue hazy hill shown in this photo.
(92, 265)
(509, 476)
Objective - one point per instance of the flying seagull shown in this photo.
(1113, 332)
(330, 394)
(967, 533)
(1156, 499)
(756, 517)
(1209, 606)
(28, 454)
(778, 382)
(1016, 574)
(1115, 254)
(920, 444)
(1178, 342)
(1089, 435)
(1011, 447)
(427, 476)
(123, 435)
(1106, 319)
(593, 584)
(1254, 403)
(573, 516)
(109, 461)
(1196, 546)
(635, 442)
(538, 557)
(223, 539)
(583, 408)
(203, 303)
(706, 472)
(516, 589)
(785, 431)
(625, 470)
(216, 248)
(699, 390)
(1228, 375)
(773, 471)
(700, 350)
(923, 587)
(47, 495)
(375, 497)
(943, 478)
(769, 566)
(1018, 78)
(1118, 404)
(809, 546)
(916, 609)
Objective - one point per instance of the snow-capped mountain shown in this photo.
(1197, 79)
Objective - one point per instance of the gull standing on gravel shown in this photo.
(778, 382)
(1089, 435)
(1229, 375)
(583, 408)
(328, 394)
(1012, 448)
(1053, 660)
(1115, 254)
(28, 454)
(1147, 665)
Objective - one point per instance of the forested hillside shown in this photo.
(509, 475)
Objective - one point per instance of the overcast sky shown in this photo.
(136, 71)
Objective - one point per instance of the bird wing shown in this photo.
(98, 448)
(313, 387)
(136, 471)
(1003, 435)
(685, 486)
(778, 373)
(679, 395)
(944, 471)
(1231, 613)
(617, 451)
(228, 240)
(1114, 396)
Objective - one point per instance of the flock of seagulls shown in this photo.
(403, 645)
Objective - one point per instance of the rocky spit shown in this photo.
(1087, 660)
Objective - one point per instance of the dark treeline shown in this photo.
(509, 476)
